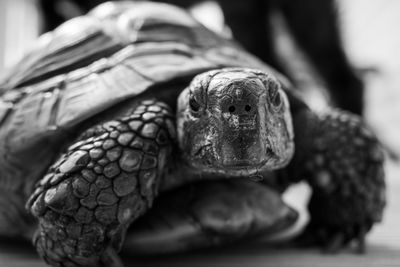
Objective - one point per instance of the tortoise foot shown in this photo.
(333, 239)
(347, 177)
(63, 243)
(104, 182)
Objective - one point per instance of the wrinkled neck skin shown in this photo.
(232, 123)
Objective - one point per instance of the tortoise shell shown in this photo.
(95, 62)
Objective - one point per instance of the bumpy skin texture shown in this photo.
(346, 174)
(343, 162)
(107, 179)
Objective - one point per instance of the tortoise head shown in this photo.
(235, 122)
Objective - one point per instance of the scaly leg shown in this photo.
(345, 170)
(102, 183)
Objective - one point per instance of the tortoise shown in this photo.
(137, 123)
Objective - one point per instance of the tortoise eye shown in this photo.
(276, 100)
(194, 105)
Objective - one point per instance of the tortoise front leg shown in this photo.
(344, 167)
(104, 181)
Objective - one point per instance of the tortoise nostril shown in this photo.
(247, 108)
(232, 109)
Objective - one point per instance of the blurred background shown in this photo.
(19, 27)
(371, 39)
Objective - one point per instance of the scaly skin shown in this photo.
(342, 161)
(345, 170)
(107, 179)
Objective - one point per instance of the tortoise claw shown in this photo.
(361, 247)
(333, 239)
(334, 244)
(110, 258)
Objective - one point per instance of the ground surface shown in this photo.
(372, 39)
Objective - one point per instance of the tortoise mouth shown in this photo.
(245, 164)
(250, 158)
(240, 164)
(240, 168)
